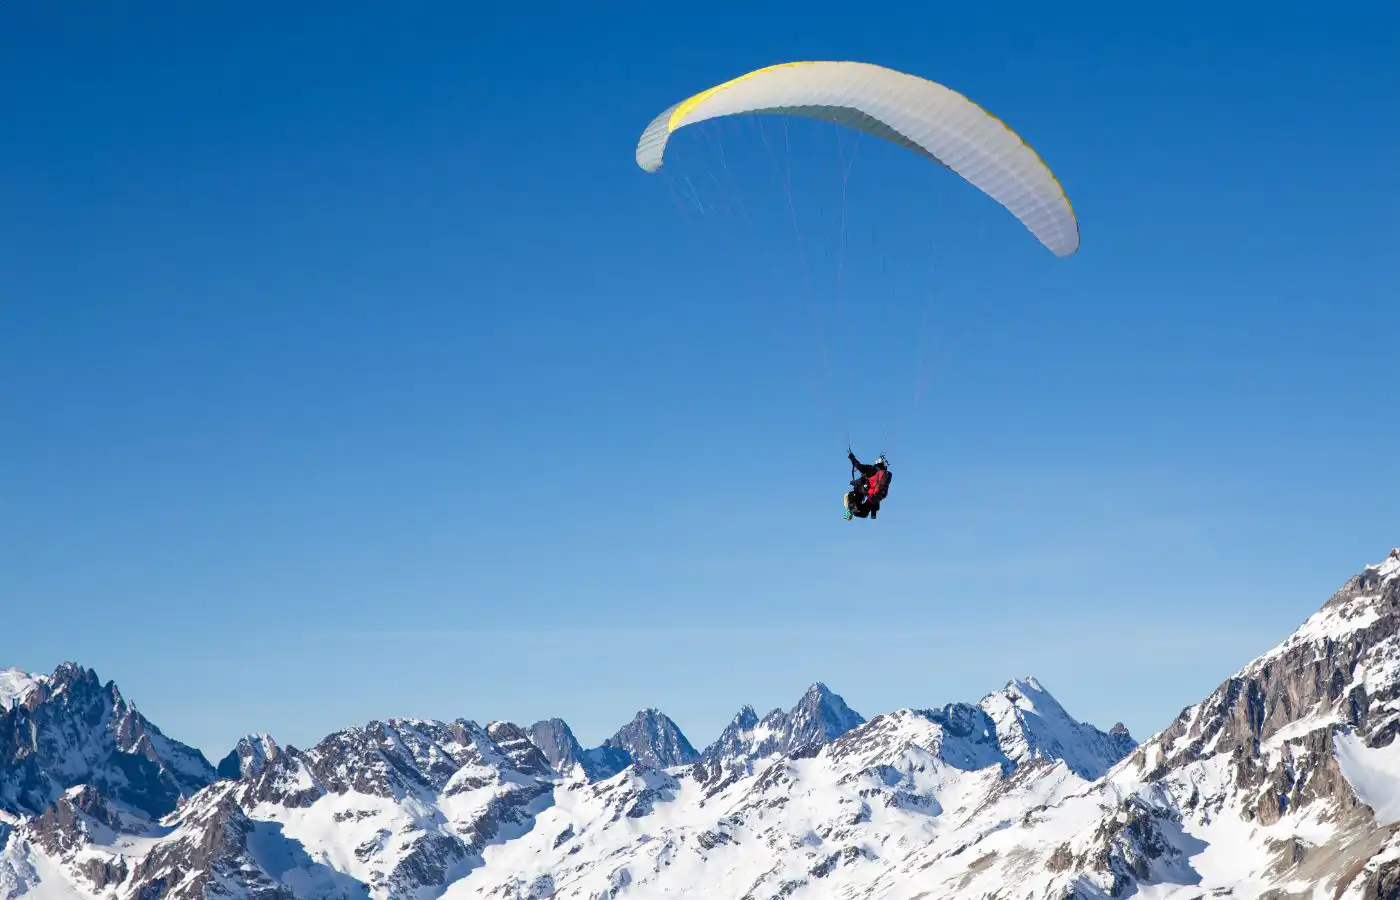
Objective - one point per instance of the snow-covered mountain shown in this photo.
(1031, 724)
(1284, 783)
(249, 757)
(1280, 784)
(68, 729)
(652, 739)
(818, 718)
(410, 808)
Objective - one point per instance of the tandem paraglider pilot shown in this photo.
(870, 484)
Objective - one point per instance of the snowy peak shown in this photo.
(652, 739)
(1030, 688)
(1032, 725)
(555, 739)
(249, 757)
(1388, 570)
(217, 850)
(745, 719)
(958, 735)
(405, 806)
(737, 739)
(398, 760)
(818, 718)
(77, 684)
(1357, 606)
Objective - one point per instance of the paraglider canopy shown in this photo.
(913, 112)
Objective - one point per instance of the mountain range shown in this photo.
(1283, 783)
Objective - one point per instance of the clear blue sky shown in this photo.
(288, 291)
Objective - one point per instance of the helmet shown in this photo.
(881, 461)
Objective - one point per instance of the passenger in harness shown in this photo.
(870, 484)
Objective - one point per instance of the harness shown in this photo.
(872, 484)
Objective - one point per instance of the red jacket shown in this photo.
(877, 480)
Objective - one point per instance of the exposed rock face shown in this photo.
(652, 739)
(208, 851)
(515, 743)
(737, 741)
(69, 830)
(69, 730)
(252, 754)
(556, 741)
(818, 718)
(413, 803)
(1276, 763)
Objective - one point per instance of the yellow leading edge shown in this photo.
(913, 112)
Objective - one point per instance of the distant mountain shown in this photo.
(1031, 725)
(249, 758)
(410, 805)
(818, 718)
(1283, 783)
(654, 740)
(556, 741)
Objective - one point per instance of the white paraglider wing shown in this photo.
(913, 112)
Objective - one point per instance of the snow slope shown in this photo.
(16, 685)
(1031, 724)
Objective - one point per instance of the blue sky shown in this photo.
(351, 367)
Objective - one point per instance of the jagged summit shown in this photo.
(652, 739)
(1363, 601)
(556, 741)
(819, 717)
(1031, 725)
(522, 753)
(72, 730)
(1026, 684)
(745, 718)
(249, 756)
